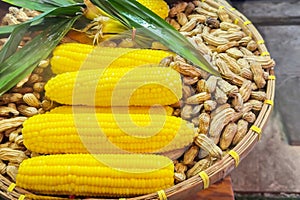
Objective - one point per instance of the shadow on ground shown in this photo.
(266, 197)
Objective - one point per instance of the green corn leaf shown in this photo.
(39, 23)
(13, 42)
(134, 15)
(107, 7)
(6, 30)
(69, 10)
(33, 5)
(59, 2)
(22, 62)
(40, 5)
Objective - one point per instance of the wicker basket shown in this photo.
(221, 168)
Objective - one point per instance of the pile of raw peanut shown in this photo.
(24, 100)
(224, 108)
(221, 109)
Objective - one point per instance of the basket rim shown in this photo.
(221, 168)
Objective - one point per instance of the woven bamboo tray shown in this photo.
(221, 168)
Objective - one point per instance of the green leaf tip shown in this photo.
(133, 14)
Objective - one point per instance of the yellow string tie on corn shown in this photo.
(235, 156)
(260, 42)
(11, 187)
(109, 175)
(232, 9)
(221, 7)
(205, 179)
(269, 102)
(162, 195)
(257, 130)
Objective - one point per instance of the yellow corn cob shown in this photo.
(105, 133)
(142, 86)
(159, 7)
(120, 110)
(108, 175)
(75, 56)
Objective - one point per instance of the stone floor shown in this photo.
(274, 166)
